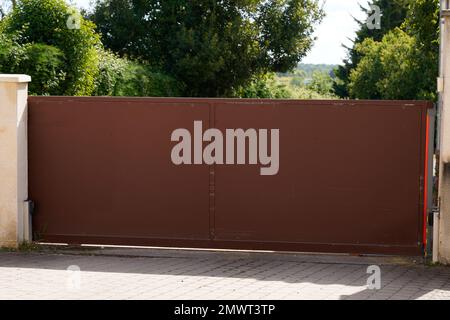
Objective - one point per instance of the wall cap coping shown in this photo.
(17, 78)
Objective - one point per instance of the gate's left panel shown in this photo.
(100, 171)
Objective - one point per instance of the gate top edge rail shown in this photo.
(402, 103)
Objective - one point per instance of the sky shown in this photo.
(337, 28)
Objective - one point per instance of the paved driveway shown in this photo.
(179, 274)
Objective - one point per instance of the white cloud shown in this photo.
(337, 28)
(85, 4)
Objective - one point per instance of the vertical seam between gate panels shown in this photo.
(212, 180)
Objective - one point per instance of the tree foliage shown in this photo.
(404, 63)
(393, 15)
(42, 62)
(45, 22)
(122, 77)
(422, 23)
(387, 69)
(264, 87)
(321, 82)
(213, 47)
(61, 51)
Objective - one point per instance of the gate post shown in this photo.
(441, 242)
(14, 218)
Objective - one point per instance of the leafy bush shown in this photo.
(390, 69)
(122, 77)
(55, 24)
(111, 69)
(9, 53)
(140, 80)
(321, 83)
(264, 86)
(306, 93)
(267, 86)
(42, 62)
(401, 61)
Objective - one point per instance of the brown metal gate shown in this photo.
(351, 175)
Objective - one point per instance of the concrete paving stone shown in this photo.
(187, 274)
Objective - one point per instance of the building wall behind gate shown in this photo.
(350, 178)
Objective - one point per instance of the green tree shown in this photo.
(264, 87)
(422, 23)
(404, 64)
(122, 77)
(47, 22)
(393, 15)
(321, 82)
(387, 69)
(42, 62)
(305, 93)
(212, 47)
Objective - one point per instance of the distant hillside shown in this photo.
(310, 68)
(306, 70)
(309, 80)
(303, 74)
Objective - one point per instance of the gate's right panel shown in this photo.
(350, 178)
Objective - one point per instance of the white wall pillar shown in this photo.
(14, 218)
